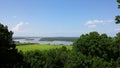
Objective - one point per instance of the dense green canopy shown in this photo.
(9, 57)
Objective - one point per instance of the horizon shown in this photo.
(59, 18)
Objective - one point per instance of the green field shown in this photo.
(41, 47)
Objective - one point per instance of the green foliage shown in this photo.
(54, 58)
(85, 42)
(77, 60)
(118, 62)
(35, 59)
(117, 18)
(6, 37)
(101, 50)
(93, 44)
(9, 57)
(115, 48)
(118, 3)
(97, 62)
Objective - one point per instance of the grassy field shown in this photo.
(41, 47)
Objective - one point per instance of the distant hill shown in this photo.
(27, 38)
(59, 39)
(72, 39)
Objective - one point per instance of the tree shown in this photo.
(119, 3)
(77, 60)
(116, 47)
(34, 59)
(95, 50)
(9, 57)
(93, 44)
(117, 19)
(56, 58)
(86, 43)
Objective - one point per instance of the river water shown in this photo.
(36, 40)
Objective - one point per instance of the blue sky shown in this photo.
(69, 18)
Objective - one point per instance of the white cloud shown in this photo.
(95, 23)
(18, 26)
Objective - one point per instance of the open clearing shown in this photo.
(41, 47)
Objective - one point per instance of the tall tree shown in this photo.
(9, 57)
(93, 44)
(117, 19)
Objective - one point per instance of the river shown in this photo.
(36, 40)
